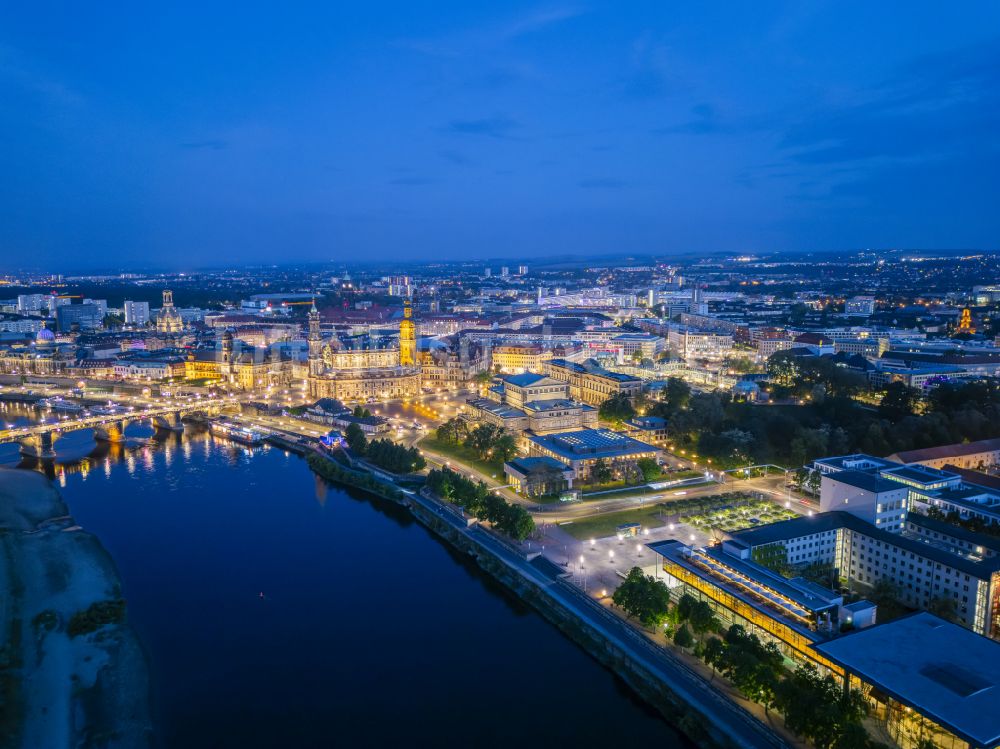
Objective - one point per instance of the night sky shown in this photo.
(183, 134)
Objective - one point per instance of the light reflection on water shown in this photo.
(370, 632)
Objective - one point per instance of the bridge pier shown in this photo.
(169, 421)
(112, 431)
(41, 446)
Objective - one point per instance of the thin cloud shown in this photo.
(16, 69)
(493, 35)
(498, 126)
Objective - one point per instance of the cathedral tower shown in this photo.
(315, 343)
(407, 337)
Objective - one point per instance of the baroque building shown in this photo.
(350, 372)
(169, 319)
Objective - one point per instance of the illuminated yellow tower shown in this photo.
(407, 337)
(965, 322)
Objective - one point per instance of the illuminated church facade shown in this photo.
(351, 373)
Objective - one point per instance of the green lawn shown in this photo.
(601, 526)
(462, 454)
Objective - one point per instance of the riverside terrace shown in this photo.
(928, 679)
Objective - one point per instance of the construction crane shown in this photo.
(69, 296)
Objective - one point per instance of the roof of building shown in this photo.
(955, 531)
(529, 379)
(974, 477)
(500, 410)
(942, 670)
(785, 530)
(947, 451)
(919, 474)
(869, 482)
(552, 404)
(757, 586)
(591, 443)
(527, 465)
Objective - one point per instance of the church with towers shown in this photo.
(363, 368)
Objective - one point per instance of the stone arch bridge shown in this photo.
(38, 440)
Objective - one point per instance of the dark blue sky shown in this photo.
(189, 134)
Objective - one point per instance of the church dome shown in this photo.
(45, 336)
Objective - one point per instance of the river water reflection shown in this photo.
(370, 632)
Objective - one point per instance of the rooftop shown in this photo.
(948, 451)
(785, 530)
(942, 670)
(868, 482)
(583, 443)
(525, 380)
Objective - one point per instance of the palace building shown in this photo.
(362, 368)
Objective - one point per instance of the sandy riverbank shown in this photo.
(91, 690)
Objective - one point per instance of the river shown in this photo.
(278, 611)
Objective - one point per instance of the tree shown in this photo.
(713, 652)
(817, 707)
(483, 438)
(946, 608)
(113, 321)
(356, 439)
(899, 401)
(505, 447)
(600, 472)
(650, 469)
(685, 606)
(702, 619)
(683, 638)
(677, 393)
(453, 431)
(644, 597)
(884, 591)
(616, 409)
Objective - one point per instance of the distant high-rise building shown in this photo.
(136, 313)
(504, 271)
(860, 305)
(488, 272)
(101, 304)
(399, 285)
(31, 302)
(522, 270)
(85, 316)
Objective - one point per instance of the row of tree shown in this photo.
(393, 457)
(475, 498)
(384, 453)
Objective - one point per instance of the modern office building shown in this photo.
(926, 679)
(930, 563)
(84, 316)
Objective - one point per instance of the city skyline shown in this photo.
(324, 134)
